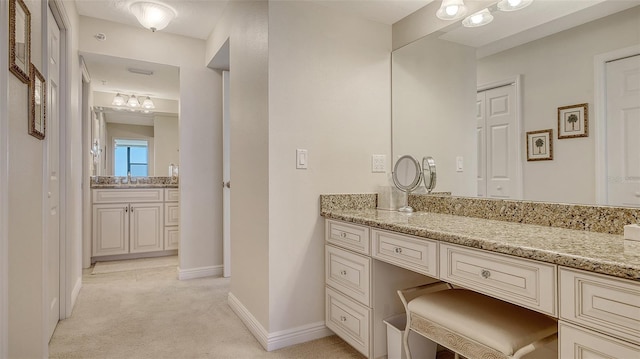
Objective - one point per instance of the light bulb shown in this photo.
(452, 10)
(476, 19)
(514, 3)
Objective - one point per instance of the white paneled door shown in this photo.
(623, 131)
(53, 174)
(498, 143)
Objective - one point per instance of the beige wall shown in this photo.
(245, 24)
(329, 93)
(200, 130)
(558, 71)
(166, 143)
(4, 186)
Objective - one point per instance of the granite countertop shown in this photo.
(590, 251)
(133, 186)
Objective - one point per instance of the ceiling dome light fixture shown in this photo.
(513, 5)
(153, 15)
(452, 9)
(479, 18)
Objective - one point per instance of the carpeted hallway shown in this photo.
(148, 313)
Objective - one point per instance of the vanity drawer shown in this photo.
(346, 235)
(349, 320)
(127, 195)
(579, 343)
(349, 273)
(604, 303)
(416, 254)
(171, 195)
(516, 280)
(171, 214)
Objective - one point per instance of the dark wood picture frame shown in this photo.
(540, 145)
(19, 40)
(573, 121)
(37, 104)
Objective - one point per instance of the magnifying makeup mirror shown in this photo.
(407, 175)
(429, 173)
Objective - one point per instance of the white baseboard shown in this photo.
(200, 272)
(280, 339)
(74, 294)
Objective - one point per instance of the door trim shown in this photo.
(517, 82)
(4, 186)
(599, 125)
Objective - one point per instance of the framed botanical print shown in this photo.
(19, 40)
(540, 145)
(573, 121)
(37, 104)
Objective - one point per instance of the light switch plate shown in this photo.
(378, 163)
(302, 159)
(459, 164)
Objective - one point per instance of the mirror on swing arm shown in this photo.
(407, 175)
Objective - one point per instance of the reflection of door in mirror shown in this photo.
(623, 131)
(498, 128)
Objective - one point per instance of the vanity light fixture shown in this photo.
(513, 5)
(152, 15)
(452, 10)
(479, 18)
(118, 100)
(147, 104)
(133, 102)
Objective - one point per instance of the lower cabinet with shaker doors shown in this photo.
(127, 221)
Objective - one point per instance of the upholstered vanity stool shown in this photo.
(474, 325)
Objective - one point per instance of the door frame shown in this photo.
(4, 185)
(517, 83)
(599, 114)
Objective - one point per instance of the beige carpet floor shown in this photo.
(148, 313)
(134, 264)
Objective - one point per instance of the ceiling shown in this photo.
(197, 18)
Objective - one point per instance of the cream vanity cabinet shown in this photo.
(599, 316)
(356, 304)
(127, 221)
(171, 218)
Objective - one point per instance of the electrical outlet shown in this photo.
(378, 163)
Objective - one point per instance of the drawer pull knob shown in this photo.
(485, 274)
(343, 234)
(398, 250)
(343, 318)
(343, 272)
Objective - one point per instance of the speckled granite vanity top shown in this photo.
(140, 182)
(592, 251)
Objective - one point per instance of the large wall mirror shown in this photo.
(468, 96)
(135, 124)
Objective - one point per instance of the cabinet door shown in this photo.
(147, 230)
(171, 237)
(580, 343)
(110, 229)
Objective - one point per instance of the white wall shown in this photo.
(200, 130)
(434, 109)
(329, 93)
(25, 220)
(558, 71)
(4, 186)
(245, 24)
(129, 132)
(166, 143)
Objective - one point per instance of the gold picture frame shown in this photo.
(540, 145)
(573, 121)
(37, 104)
(19, 40)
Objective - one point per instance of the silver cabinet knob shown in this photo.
(343, 234)
(485, 274)
(398, 250)
(343, 318)
(343, 272)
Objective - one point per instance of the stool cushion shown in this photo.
(502, 326)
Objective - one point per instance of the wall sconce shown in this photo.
(95, 151)
(152, 15)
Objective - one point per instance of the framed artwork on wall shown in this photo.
(37, 104)
(19, 40)
(540, 145)
(573, 121)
